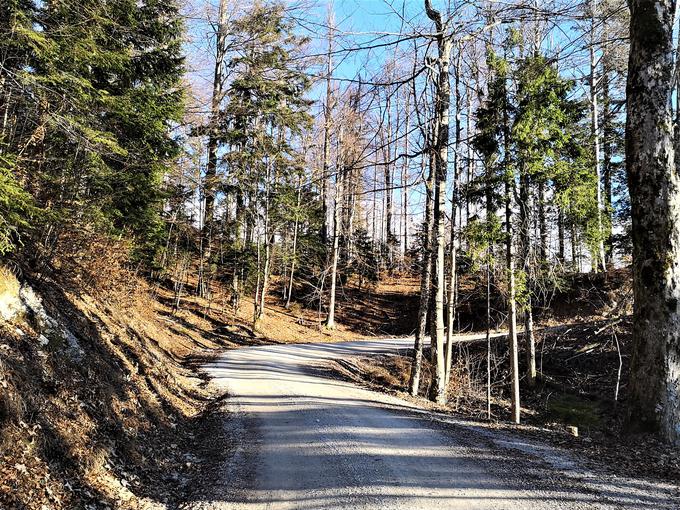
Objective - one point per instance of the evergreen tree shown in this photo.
(266, 113)
(97, 86)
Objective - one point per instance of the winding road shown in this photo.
(302, 439)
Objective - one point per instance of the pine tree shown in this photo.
(267, 111)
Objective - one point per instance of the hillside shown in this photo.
(102, 403)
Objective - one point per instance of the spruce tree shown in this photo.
(266, 114)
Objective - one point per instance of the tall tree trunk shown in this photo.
(488, 332)
(595, 129)
(337, 223)
(560, 235)
(209, 183)
(426, 273)
(542, 223)
(451, 309)
(526, 212)
(404, 178)
(653, 179)
(510, 266)
(238, 246)
(442, 102)
(327, 116)
(295, 238)
(575, 260)
(607, 151)
(389, 233)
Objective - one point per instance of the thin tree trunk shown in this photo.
(426, 275)
(295, 238)
(451, 310)
(256, 299)
(542, 223)
(595, 128)
(328, 111)
(575, 262)
(337, 221)
(560, 235)
(404, 178)
(510, 266)
(388, 187)
(607, 151)
(526, 209)
(238, 246)
(469, 174)
(488, 333)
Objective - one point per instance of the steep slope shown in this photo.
(97, 396)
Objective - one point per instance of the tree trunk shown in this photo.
(653, 179)
(607, 151)
(295, 238)
(451, 310)
(560, 235)
(542, 223)
(327, 115)
(595, 129)
(388, 187)
(510, 266)
(238, 246)
(526, 212)
(575, 261)
(211, 166)
(442, 102)
(425, 277)
(404, 179)
(488, 332)
(337, 221)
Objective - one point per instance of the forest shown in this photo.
(490, 185)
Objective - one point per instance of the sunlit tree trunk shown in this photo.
(653, 178)
(209, 182)
(337, 222)
(295, 239)
(404, 178)
(595, 129)
(327, 116)
(425, 275)
(607, 150)
(451, 305)
(510, 267)
(526, 210)
(442, 102)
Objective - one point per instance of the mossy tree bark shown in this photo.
(655, 204)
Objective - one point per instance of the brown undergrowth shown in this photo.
(97, 406)
(583, 354)
(102, 404)
(100, 396)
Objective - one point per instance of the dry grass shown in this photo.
(110, 427)
(8, 281)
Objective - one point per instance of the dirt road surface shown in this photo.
(300, 439)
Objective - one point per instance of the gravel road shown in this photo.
(300, 439)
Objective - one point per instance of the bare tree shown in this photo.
(209, 182)
(441, 148)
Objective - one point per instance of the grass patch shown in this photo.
(573, 410)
